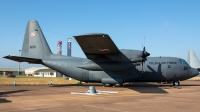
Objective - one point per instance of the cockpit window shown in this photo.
(182, 61)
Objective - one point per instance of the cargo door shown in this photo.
(184, 72)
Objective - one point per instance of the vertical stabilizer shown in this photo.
(35, 44)
(193, 60)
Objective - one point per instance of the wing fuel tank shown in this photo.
(107, 66)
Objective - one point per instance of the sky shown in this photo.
(170, 27)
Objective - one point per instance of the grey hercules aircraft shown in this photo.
(105, 63)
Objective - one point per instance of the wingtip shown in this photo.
(6, 56)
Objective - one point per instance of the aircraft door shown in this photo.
(184, 71)
(85, 75)
(181, 71)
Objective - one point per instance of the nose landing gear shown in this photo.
(176, 83)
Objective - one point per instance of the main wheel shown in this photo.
(118, 85)
(176, 83)
(107, 85)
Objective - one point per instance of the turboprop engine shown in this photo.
(124, 60)
(131, 56)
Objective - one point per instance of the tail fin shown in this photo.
(35, 44)
(193, 60)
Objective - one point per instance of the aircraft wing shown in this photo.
(23, 59)
(95, 46)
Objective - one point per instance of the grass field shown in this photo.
(27, 80)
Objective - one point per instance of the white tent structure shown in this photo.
(193, 61)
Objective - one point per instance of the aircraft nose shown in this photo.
(195, 72)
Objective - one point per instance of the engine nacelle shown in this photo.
(127, 56)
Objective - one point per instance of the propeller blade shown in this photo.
(142, 67)
(144, 51)
(145, 54)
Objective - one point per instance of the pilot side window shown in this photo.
(182, 61)
(169, 66)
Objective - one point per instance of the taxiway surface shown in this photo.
(139, 97)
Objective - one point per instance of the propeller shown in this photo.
(144, 56)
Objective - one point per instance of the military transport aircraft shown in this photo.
(105, 63)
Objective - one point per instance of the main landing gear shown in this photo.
(176, 83)
(112, 85)
(107, 85)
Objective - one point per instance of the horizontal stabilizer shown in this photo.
(23, 59)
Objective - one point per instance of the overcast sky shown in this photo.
(171, 27)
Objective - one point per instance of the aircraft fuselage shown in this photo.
(155, 69)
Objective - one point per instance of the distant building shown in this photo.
(11, 71)
(47, 73)
(30, 71)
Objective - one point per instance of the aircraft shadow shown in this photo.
(85, 84)
(145, 88)
(4, 94)
(3, 100)
(139, 87)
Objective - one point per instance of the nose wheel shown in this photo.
(176, 83)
